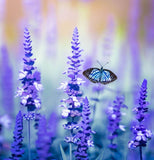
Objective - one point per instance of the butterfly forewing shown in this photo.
(93, 74)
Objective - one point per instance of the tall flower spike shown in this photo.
(30, 78)
(16, 147)
(73, 104)
(84, 135)
(141, 134)
(114, 117)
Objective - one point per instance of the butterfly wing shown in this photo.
(93, 74)
(107, 76)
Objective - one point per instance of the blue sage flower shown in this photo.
(72, 106)
(84, 135)
(16, 147)
(30, 79)
(141, 134)
(114, 117)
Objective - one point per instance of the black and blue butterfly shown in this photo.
(101, 75)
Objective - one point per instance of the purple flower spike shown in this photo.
(141, 134)
(72, 106)
(114, 117)
(30, 78)
(141, 109)
(84, 134)
(16, 147)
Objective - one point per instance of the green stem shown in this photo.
(140, 148)
(29, 147)
(70, 146)
(94, 107)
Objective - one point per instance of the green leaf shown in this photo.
(101, 155)
(63, 153)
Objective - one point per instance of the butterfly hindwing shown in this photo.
(97, 75)
(107, 76)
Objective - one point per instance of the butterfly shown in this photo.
(101, 75)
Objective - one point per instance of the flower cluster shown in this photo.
(30, 78)
(16, 147)
(142, 135)
(114, 117)
(84, 139)
(72, 106)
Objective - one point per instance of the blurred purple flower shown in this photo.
(84, 138)
(5, 121)
(51, 34)
(88, 62)
(30, 78)
(7, 83)
(73, 104)
(16, 147)
(114, 117)
(141, 134)
(43, 142)
(149, 25)
(32, 9)
(2, 9)
(52, 124)
(133, 39)
(108, 41)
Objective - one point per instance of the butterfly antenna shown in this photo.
(99, 63)
(105, 64)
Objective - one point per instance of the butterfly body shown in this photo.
(101, 75)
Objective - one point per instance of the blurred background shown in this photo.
(120, 32)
